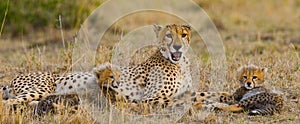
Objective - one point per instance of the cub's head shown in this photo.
(174, 40)
(251, 76)
(106, 75)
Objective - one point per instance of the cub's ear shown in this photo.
(240, 70)
(157, 29)
(264, 69)
(187, 26)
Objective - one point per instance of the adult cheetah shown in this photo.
(163, 76)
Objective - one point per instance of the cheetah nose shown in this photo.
(176, 47)
(248, 83)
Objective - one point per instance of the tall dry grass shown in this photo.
(265, 33)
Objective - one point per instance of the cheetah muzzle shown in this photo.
(176, 56)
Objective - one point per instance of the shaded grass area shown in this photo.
(265, 33)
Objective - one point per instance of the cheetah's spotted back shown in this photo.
(32, 86)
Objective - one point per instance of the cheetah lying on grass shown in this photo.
(252, 95)
(45, 91)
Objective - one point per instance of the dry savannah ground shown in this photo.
(264, 33)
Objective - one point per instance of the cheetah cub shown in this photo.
(252, 95)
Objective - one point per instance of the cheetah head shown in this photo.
(174, 40)
(251, 76)
(106, 75)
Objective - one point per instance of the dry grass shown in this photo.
(264, 33)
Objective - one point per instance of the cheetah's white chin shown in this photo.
(249, 87)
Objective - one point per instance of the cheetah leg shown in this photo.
(227, 98)
(203, 100)
(231, 108)
(159, 101)
(211, 96)
(25, 97)
(203, 106)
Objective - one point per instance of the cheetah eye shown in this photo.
(169, 36)
(183, 35)
(254, 77)
(245, 77)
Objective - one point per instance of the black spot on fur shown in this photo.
(202, 94)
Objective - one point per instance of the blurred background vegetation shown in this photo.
(24, 16)
(31, 24)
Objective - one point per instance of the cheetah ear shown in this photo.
(157, 29)
(187, 26)
(264, 69)
(240, 70)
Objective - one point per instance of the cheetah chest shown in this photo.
(156, 77)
